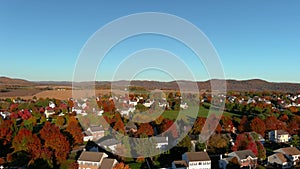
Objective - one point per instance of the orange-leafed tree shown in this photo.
(258, 126)
(145, 129)
(244, 125)
(197, 128)
(293, 126)
(54, 140)
(121, 166)
(28, 142)
(75, 130)
(227, 123)
(272, 123)
(119, 126)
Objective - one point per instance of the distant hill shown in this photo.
(232, 85)
(14, 82)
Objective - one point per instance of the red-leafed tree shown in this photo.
(24, 114)
(258, 126)
(55, 141)
(75, 130)
(245, 142)
(6, 131)
(145, 129)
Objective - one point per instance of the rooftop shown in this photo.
(197, 156)
(90, 156)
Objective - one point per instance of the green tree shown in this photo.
(295, 141)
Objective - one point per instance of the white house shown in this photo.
(197, 160)
(49, 112)
(91, 160)
(279, 136)
(161, 142)
(184, 105)
(95, 160)
(95, 132)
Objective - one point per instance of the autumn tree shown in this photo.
(258, 126)
(75, 130)
(199, 123)
(245, 142)
(261, 150)
(227, 123)
(54, 140)
(293, 127)
(6, 130)
(218, 144)
(145, 129)
(272, 123)
(121, 166)
(119, 126)
(244, 125)
(28, 142)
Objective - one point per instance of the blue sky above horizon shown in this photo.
(254, 39)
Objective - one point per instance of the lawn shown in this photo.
(203, 112)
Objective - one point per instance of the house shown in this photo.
(245, 158)
(279, 160)
(87, 136)
(180, 164)
(97, 132)
(48, 112)
(95, 160)
(108, 163)
(292, 153)
(195, 160)
(110, 144)
(90, 160)
(161, 142)
(279, 136)
(184, 105)
(130, 127)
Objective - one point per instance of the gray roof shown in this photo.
(197, 156)
(96, 128)
(90, 156)
(161, 139)
(109, 142)
(243, 154)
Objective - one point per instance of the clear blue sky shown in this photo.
(41, 40)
